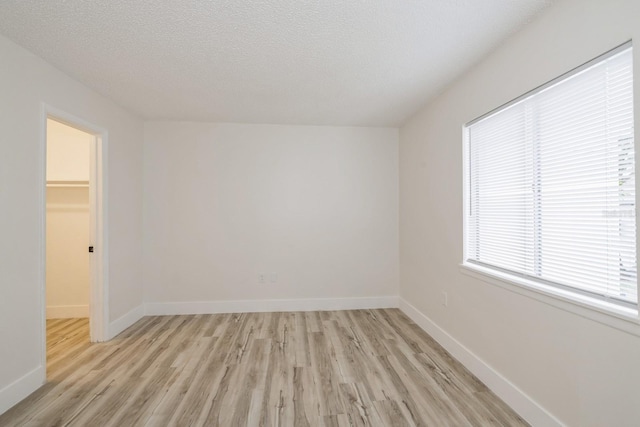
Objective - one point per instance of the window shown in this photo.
(551, 184)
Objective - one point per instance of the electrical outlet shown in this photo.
(274, 277)
(445, 299)
(262, 278)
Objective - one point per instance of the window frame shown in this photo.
(620, 316)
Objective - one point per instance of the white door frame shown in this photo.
(99, 281)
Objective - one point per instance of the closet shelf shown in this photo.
(67, 184)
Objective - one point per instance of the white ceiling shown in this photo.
(335, 62)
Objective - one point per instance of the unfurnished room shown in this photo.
(319, 213)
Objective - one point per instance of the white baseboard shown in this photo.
(525, 406)
(123, 322)
(256, 306)
(21, 388)
(67, 311)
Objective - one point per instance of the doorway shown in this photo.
(74, 286)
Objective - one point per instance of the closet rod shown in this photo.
(68, 184)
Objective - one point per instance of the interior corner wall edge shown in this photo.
(314, 209)
(580, 371)
(26, 82)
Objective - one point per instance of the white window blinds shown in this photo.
(551, 183)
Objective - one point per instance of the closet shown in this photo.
(67, 235)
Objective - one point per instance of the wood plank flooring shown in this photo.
(338, 368)
(66, 338)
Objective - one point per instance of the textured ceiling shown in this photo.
(336, 62)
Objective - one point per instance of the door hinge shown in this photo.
(90, 248)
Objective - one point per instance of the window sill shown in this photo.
(624, 319)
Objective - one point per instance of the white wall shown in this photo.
(225, 202)
(25, 83)
(582, 372)
(68, 152)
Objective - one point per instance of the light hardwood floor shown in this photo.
(339, 368)
(66, 338)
